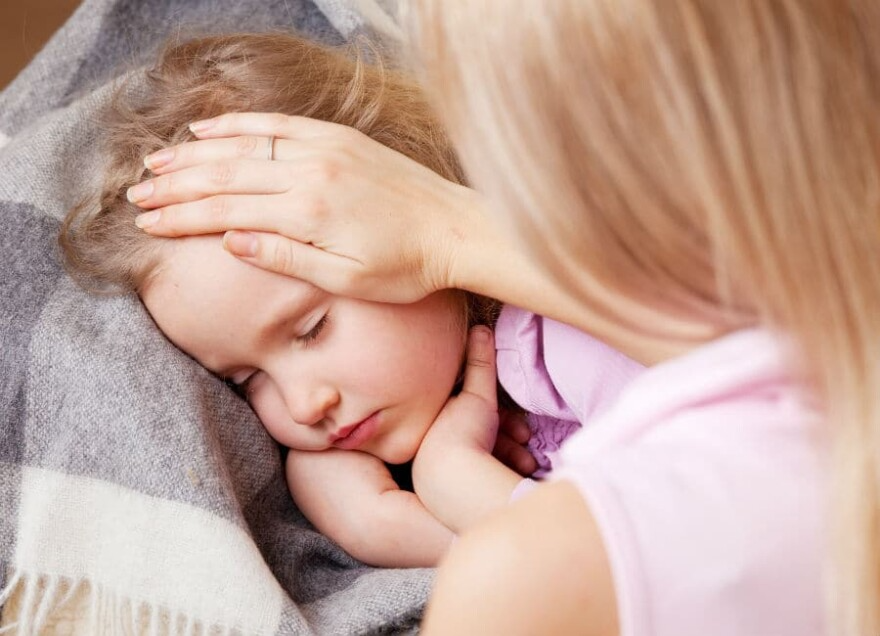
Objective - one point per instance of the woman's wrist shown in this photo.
(486, 260)
(452, 233)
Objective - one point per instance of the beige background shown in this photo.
(25, 25)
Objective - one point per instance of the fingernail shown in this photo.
(159, 159)
(201, 126)
(240, 243)
(140, 192)
(147, 219)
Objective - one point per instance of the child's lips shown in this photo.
(355, 435)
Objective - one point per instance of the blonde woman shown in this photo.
(696, 183)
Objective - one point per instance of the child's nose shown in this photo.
(308, 406)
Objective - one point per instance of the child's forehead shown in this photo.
(215, 307)
(201, 268)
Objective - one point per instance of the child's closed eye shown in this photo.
(311, 336)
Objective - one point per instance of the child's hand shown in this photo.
(454, 472)
(511, 445)
(351, 497)
(470, 419)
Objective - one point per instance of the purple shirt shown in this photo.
(705, 474)
(586, 378)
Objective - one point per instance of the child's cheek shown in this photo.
(271, 410)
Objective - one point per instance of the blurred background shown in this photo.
(25, 25)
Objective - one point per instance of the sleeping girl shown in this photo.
(348, 386)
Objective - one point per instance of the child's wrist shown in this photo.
(460, 485)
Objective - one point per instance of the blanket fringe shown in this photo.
(50, 604)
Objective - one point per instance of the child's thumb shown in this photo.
(479, 375)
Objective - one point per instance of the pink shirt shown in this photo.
(706, 476)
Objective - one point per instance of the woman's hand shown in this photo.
(454, 472)
(335, 207)
(342, 211)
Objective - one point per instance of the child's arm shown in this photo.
(351, 497)
(454, 473)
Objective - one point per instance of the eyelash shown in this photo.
(310, 337)
(306, 339)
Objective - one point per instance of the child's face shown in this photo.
(322, 371)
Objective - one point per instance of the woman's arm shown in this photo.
(536, 567)
(351, 497)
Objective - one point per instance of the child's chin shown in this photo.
(398, 455)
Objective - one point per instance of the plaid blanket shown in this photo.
(130, 478)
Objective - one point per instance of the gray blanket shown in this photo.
(129, 476)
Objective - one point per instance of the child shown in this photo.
(326, 375)
(696, 182)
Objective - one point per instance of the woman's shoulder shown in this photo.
(713, 468)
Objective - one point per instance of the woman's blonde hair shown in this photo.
(712, 158)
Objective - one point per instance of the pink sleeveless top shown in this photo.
(705, 474)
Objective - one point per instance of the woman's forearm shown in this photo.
(483, 258)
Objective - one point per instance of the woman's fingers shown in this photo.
(245, 176)
(202, 151)
(245, 136)
(219, 213)
(209, 150)
(332, 188)
(264, 125)
(276, 253)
